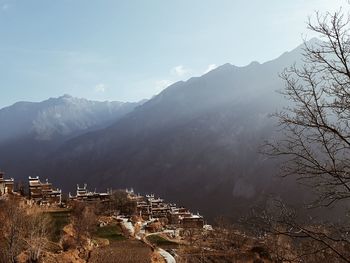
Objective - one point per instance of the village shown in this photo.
(121, 226)
(149, 207)
(149, 219)
(118, 226)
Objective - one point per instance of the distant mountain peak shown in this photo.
(59, 116)
(254, 63)
(225, 66)
(314, 40)
(67, 96)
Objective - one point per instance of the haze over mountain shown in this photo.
(196, 142)
(31, 130)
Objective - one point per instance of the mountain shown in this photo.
(31, 130)
(58, 117)
(196, 143)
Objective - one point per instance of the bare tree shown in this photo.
(291, 239)
(38, 228)
(122, 204)
(84, 221)
(316, 126)
(316, 133)
(21, 231)
(12, 230)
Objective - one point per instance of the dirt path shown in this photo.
(166, 255)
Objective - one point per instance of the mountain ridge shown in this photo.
(31, 130)
(196, 141)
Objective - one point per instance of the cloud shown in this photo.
(210, 68)
(180, 71)
(162, 84)
(100, 88)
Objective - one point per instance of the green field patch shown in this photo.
(110, 232)
(160, 241)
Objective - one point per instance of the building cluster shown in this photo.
(43, 193)
(83, 194)
(149, 207)
(6, 185)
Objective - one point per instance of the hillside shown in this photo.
(196, 142)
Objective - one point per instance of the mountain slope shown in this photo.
(196, 142)
(30, 131)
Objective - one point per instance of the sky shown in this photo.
(131, 50)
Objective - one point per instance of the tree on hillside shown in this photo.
(22, 231)
(39, 230)
(12, 230)
(316, 131)
(122, 204)
(84, 221)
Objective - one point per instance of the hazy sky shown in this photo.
(130, 50)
